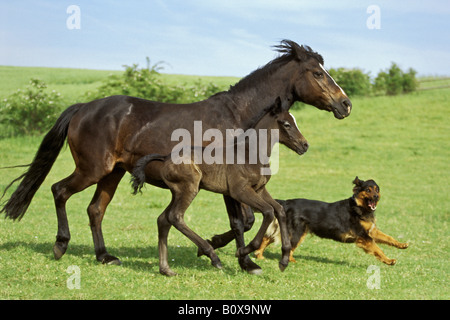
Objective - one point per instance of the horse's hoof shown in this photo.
(58, 250)
(57, 253)
(111, 260)
(168, 272)
(282, 266)
(257, 271)
(249, 266)
(218, 265)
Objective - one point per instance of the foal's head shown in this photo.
(312, 83)
(288, 132)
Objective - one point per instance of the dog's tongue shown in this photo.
(372, 205)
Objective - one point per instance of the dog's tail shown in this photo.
(273, 231)
(138, 175)
(43, 161)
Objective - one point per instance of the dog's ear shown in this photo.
(357, 184)
(357, 181)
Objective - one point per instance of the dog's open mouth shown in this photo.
(372, 204)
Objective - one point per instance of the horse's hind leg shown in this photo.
(104, 193)
(62, 191)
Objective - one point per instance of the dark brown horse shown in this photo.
(107, 137)
(244, 181)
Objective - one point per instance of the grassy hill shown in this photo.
(402, 142)
(74, 83)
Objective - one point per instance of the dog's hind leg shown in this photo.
(297, 237)
(264, 244)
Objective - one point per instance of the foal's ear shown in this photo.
(276, 108)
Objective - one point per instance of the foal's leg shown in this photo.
(184, 187)
(241, 219)
(254, 200)
(175, 216)
(163, 231)
(62, 191)
(281, 217)
(106, 188)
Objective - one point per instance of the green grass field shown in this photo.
(402, 142)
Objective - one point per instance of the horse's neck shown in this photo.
(250, 100)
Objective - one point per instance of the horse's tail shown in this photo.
(43, 161)
(138, 174)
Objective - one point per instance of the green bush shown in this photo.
(390, 82)
(32, 110)
(394, 81)
(410, 82)
(354, 81)
(147, 83)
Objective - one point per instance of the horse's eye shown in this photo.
(286, 124)
(318, 74)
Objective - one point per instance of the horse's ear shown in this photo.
(277, 107)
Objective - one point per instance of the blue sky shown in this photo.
(226, 38)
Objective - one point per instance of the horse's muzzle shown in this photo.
(303, 148)
(342, 108)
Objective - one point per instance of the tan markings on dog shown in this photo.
(360, 198)
(265, 242)
(369, 226)
(381, 237)
(302, 238)
(349, 236)
(369, 246)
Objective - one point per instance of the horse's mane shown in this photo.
(289, 50)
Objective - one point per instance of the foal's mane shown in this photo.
(289, 50)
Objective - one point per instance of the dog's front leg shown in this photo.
(369, 246)
(381, 237)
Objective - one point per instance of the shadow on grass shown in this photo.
(137, 258)
(299, 258)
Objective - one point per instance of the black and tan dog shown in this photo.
(350, 221)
